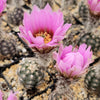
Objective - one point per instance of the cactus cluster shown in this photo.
(30, 74)
(15, 17)
(92, 80)
(7, 46)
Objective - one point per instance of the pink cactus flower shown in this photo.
(12, 96)
(1, 95)
(2, 5)
(43, 28)
(72, 63)
(94, 6)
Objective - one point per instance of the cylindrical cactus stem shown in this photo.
(92, 80)
(30, 74)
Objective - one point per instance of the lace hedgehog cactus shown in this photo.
(62, 90)
(92, 40)
(30, 74)
(7, 46)
(92, 80)
(15, 17)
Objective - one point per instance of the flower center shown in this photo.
(47, 36)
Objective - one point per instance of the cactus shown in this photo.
(7, 46)
(83, 11)
(16, 16)
(7, 49)
(62, 90)
(91, 40)
(92, 80)
(30, 74)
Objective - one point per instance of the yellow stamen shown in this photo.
(47, 37)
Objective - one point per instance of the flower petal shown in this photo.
(2, 5)
(78, 60)
(97, 8)
(76, 70)
(48, 8)
(1, 95)
(12, 96)
(26, 22)
(66, 50)
(38, 42)
(94, 3)
(55, 55)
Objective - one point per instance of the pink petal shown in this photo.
(69, 59)
(24, 34)
(97, 9)
(26, 22)
(66, 50)
(79, 60)
(94, 3)
(76, 70)
(62, 30)
(48, 8)
(49, 20)
(89, 2)
(35, 23)
(55, 55)
(57, 20)
(52, 43)
(87, 56)
(12, 96)
(2, 5)
(24, 38)
(38, 42)
(35, 9)
(66, 27)
(1, 95)
(42, 20)
(61, 49)
(62, 66)
(82, 48)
